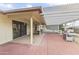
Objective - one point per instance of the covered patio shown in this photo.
(32, 19)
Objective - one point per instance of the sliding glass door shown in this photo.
(19, 29)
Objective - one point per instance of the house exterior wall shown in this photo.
(53, 27)
(5, 29)
(6, 32)
(28, 29)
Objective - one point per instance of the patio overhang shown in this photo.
(26, 16)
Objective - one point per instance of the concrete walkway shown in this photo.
(51, 44)
(57, 45)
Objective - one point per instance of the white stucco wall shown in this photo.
(5, 29)
(28, 29)
(6, 32)
(53, 27)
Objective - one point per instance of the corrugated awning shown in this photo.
(61, 14)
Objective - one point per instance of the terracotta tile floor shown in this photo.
(51, 44)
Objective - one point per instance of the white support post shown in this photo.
(31, 30)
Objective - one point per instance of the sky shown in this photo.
(9, 6)
(43, 3)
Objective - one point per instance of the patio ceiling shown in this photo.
(61, 14)
(26, 14)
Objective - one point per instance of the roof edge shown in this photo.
(23, 10)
